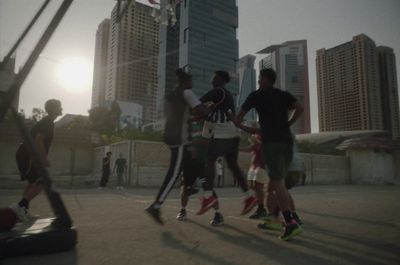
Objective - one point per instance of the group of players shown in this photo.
(199, 131)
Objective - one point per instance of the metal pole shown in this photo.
(23, 35)
(62, 217)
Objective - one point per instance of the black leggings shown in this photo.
(180, 158)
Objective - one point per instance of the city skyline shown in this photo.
(322, 23)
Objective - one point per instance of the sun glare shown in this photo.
(75, 75)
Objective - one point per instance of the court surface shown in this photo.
(343, 225)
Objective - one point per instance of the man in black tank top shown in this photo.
(177, 135)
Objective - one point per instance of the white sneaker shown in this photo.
(21, 212)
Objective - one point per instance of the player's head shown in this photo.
(184, 78)
(267, 77)
(109, 154)
(220, 79)
(53, 107)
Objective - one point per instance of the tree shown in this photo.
(105, 120)
(37, 114)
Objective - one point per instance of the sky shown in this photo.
(324, 23)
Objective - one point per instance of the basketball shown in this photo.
(7, 219)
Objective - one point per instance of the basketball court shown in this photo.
(343, 225)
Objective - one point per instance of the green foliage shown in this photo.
(37, 114)
(309, 147)
(79, 123)
(105, 120)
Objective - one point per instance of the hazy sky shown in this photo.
(324, 23)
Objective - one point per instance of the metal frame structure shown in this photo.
(62, 217)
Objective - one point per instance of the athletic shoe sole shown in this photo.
(155, 216)
(271, 226)
(294, 233)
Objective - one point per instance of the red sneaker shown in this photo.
(207, 204)
(249, 204)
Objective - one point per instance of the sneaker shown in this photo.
(181, 215)
(207, 204)
(260, 213)
(217, 220)
(291, 230)
(21, 212)
(155, 213)
(249, 204)
(297, 219)
(275, 225)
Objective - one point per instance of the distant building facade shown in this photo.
(132, 59)
(100, 64)
(389, 90)
(247, 83)
(168, 60)
(356, 87)
(290, 61)
(8, 75)
(208, 41)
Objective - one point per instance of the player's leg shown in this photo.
(174, 170)
(231, 156)
(278, 156)
(209, 200)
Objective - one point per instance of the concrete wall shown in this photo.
(371, 167)
(63, 158)
(148, 163)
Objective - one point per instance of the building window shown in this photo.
(186, 35)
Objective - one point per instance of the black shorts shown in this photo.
(224, 147)
(28, 171)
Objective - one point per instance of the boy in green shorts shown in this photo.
(273, 106)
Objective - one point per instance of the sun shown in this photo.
(75, 75)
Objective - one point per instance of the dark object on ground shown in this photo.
(42, 236)
(7, 219)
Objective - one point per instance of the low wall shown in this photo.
(148, 163)
(64, 158)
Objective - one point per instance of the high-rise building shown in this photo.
(132, 58)
(247, 83)
(208, 41)
(290, 61)
(168, 60)
(349, 95)
(100, 63)
(389, 91)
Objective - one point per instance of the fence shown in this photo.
(148, 162)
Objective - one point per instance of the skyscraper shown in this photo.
(389, 90)
(247, 82)
(290, 61)
(132, 59)
(168, 60)
(100, 63)
(349, 94)
(208, 41)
